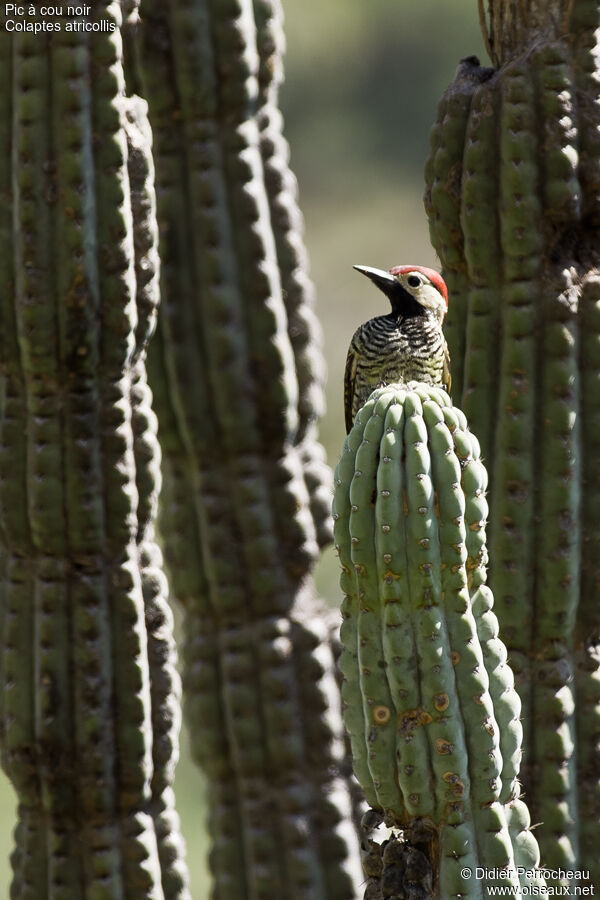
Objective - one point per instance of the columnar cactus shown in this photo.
(429, 699)
(238, 388)
(524, 153)
(88, 701)
(297, 289)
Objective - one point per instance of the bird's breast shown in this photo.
(389, 335)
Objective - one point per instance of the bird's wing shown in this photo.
(446, 375)
(349, 379)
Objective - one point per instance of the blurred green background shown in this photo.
(363, 78)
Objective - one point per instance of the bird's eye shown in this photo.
(414, 280)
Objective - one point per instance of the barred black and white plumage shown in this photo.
(405, 345)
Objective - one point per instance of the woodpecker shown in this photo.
(405, 345)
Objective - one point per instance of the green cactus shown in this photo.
(238, 376)
(442, 198)
(303, 327)
(89, 702)
(429, 698)
(530, 386)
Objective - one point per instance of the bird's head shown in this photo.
(412, 290)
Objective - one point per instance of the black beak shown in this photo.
(403, 303)
(384, 281)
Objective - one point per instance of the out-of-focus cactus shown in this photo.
(526, 343)
(303, 327)
(237, 377)
(429, 698)
(89, 692)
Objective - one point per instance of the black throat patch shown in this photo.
(403, 304)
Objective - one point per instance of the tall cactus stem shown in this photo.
(234, 420)
(427, 687)
(76, 634)
(537, 213)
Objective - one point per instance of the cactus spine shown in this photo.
(429, 698)
(87, 657)
(528, 181)
(238, 389)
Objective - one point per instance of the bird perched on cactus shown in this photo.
(405, 345)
